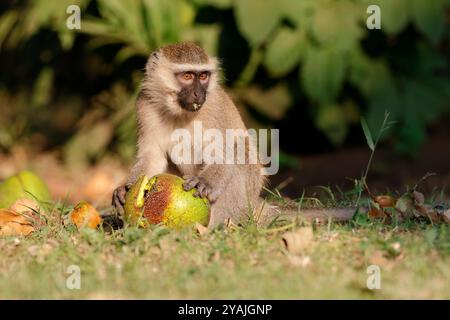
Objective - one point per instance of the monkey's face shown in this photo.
(194, 86)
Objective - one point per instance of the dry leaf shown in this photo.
(297, 241)
(446, 216)
(423, 209)
(419, 198)
(427, 211)
(24, 206)
(14, 224)
(201, 229)
(405, 206)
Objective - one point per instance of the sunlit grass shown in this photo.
(244, 262)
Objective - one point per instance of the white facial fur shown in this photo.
(161, 71)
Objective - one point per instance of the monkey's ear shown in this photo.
(155, 55)
(153, 61)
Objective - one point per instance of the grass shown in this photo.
(242, 263)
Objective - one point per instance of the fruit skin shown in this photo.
(24, 185)
(134, 202)
(162, 199)
(85, 215)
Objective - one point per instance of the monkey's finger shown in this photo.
(190, 184)
(118, 206)
(202, 190)
(113, 199)
(121, 194)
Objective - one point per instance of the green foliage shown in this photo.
(314, 51)
(141, 26)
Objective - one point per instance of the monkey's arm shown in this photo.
(151, 160)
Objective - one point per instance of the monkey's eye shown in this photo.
(187, 76)
(203, 76)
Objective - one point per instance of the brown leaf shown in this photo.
(14, 224)
(297, 241)
(24, 206)
(201, 229)
(424, 210)
(446, 216)
(405, 206)
(427, 211)
(419, 198)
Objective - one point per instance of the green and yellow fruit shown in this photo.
(162, 199)
(24, 185)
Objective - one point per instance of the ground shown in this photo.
(231, 263)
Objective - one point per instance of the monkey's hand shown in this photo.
(204, 189)
(118, 198)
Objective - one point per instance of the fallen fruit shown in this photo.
(14, 224)
(24, 185)
(85, 215)
(162, 199)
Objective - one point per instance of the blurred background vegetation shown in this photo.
(308, 67)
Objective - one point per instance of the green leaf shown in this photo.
(43, 88)
(395, 14)
(221, 4)
(429, 18)
(323, 74)
(206, 35)
(285, 51)
(329, 26)
(367, 134)
(332, 122)
(256, 19)
(7, 22)
(272, 102)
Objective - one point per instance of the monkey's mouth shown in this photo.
(192, 107)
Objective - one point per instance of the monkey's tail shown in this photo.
(267, 212)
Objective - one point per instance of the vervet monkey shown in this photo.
(181, 86)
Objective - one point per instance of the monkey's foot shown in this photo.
(204, 190)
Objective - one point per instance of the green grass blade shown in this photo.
(367, 133)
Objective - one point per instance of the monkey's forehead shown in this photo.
(185, 52)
